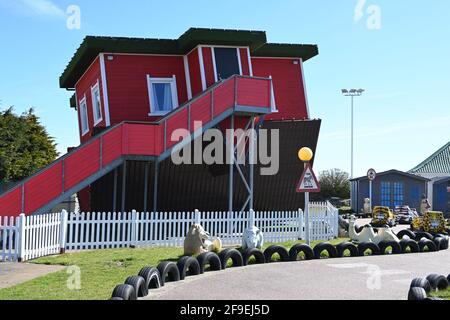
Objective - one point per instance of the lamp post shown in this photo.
(305, 154)
(352, 93)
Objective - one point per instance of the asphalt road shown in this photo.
(359, 278)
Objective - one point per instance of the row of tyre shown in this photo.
(420, 288)
(168, 271)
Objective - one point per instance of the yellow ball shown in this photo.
(305, 154)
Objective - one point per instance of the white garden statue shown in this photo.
(369, 235)
(252, 238)
(367, 209)
(198, 241)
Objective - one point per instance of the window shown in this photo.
(226, 63)
(386, 194)
(84, 117)
(163, 95)
(96, 104)
(398, 194)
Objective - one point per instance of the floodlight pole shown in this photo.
(352, 93)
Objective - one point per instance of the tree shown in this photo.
(25, 145)
(334, 183)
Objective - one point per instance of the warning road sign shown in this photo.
(308, 182)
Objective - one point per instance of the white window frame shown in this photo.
(86, 129)
(273, 105)
(96, 88)
(173, 87)
(238, 55)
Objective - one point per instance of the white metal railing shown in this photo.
(29, 237)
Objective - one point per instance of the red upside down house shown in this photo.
(130, 94)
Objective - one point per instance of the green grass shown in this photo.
(444, 294)
(101, 271)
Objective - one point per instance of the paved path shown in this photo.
(12, 273)
(362, 278)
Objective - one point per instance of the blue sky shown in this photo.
(403, 117)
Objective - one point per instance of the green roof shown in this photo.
(438, 162)
(256, 40)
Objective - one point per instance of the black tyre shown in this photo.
(411, 244)
(138, 284)
(407, 233)
(448, 278)
(188, 266)
(417, 294)
(234, 255)
(253, 252)
(426, 243)
(298, 248)
(445, 239)
(440, 243)
(116, 298)
(421, 283)
(325, 246)
(344, 246)
(168, 271)
(271, 250)
(364, 246)
(152, 277)
(394, 245)
(438, 281)
(420, 235)
(211, 259)
(124, 291)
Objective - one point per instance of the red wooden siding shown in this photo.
(83, 88)
(141, 139)
(194, 72)
(43, 188)
(201, 110)
(11, 202)
(209, 67)
(223, 97)
(112, 148)
(243, 53)
(288, 86)
(177, 121)
(81, 164)
(128, 88)
(253, 92)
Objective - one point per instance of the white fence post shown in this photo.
(63, 231)
(300, 224)
(134, 219)
(21, 235)
(197, 216)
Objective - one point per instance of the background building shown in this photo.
(390, 188)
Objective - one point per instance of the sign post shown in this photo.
(371, 175)
(308, 183)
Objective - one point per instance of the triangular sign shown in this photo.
(308, 182)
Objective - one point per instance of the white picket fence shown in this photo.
(26, 238)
